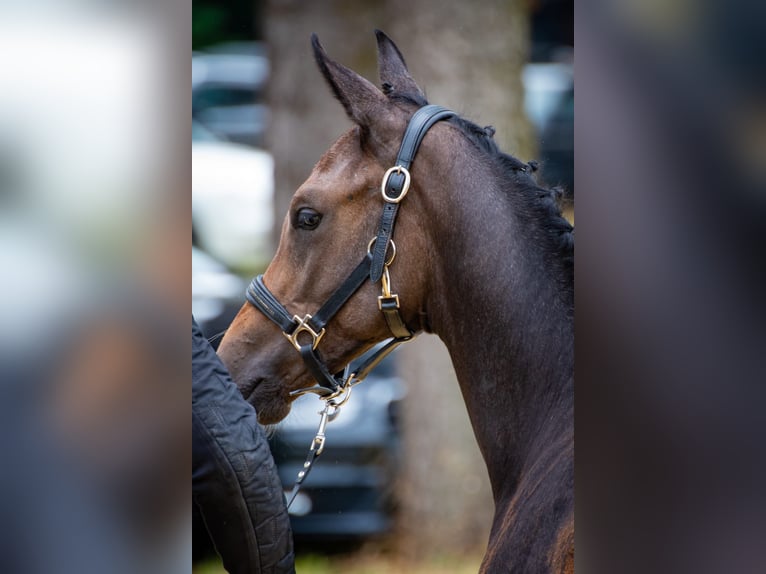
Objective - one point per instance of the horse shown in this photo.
(481, 256)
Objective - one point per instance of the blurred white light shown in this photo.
(77, 109)
(302, 504)
(80, 152)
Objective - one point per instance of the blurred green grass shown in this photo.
(363, 563)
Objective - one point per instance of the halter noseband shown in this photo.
(394, 188)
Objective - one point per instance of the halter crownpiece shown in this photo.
(374, 264)
(396, 181)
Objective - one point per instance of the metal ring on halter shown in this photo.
(393, 250)
(337, 402)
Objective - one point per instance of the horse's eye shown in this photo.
(307, 219)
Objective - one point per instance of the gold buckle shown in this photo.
(395, 297)
(405, 188)
(385, 281)
(303, 325)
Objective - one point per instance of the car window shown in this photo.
(224, 96)
(201, 134)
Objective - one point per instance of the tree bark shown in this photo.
(467, 56)
(305, 118)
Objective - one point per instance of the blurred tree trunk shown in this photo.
(305, 117)
(467, 56)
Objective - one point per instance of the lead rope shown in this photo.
(316, 449)
(329, 413)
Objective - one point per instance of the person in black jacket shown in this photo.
(234, 481)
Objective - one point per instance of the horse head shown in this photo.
(331, 225)
(480, 255)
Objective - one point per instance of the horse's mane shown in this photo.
(540, 203)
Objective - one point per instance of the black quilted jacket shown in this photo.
(235, 482)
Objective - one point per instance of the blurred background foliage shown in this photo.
(215, 22)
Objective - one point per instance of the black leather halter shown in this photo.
(381, 253)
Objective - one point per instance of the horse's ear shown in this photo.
(359, 96)
(394, 76)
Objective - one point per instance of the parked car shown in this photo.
(557, 145)
(217, 294)
(232, 200)
(349, 493)
(227, 91)
(549, 104)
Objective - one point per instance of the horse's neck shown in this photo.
(509, 332)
